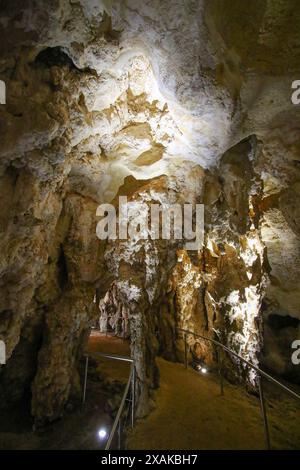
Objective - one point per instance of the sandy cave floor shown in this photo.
(191, 414)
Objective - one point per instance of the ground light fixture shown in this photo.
(202, 369)
(102, 434)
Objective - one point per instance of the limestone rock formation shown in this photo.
(162, 101)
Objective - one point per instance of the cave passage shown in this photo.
(149, 208)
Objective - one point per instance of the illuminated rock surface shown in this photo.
(157, 100)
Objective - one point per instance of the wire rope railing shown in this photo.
(127, 396)
(260, 374)
(129, 393)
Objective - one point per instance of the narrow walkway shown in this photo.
(191, 414)
(109, 344)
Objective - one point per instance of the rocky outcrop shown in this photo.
(69, 317)
(140, 268)
(165, 101)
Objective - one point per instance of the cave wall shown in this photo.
(191, 98)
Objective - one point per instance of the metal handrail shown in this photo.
(261, 372)
(249, 364)
(120, 410)
(130, 381)
(113, 356)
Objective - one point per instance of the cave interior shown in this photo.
(161, 102)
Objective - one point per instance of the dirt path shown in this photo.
(100, 343)
(191, 414)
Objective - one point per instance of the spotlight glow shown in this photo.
(203, 370)
(102, 434)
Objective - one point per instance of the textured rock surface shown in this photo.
(193, 97)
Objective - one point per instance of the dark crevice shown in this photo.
(277, 322)
(62, 269)
(52, 56)
(56, 56)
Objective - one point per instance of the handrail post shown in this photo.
(119, 435)
(264, 413)
(85, 378)
(185, 351)
(132, 396)
(220, 363)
